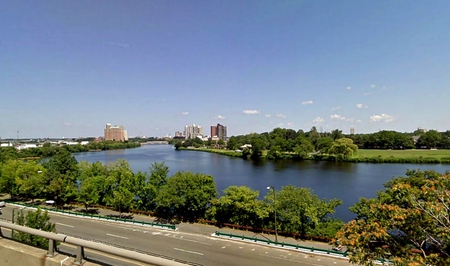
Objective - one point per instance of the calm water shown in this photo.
(346, 181)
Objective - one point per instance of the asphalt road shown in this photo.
(193, 247)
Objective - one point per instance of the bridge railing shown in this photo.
(81, 244)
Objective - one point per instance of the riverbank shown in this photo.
(363, 156)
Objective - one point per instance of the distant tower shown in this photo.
(352, 131)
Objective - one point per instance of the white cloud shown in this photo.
(280, 124)
(250, 112)
(367, 94)
(307, 102)
(185, 113)
(267, 115)
(360, 106)
(290, 124)
(383, 88)
(220, 117)
(67, 123)
(280, 115)
(336, 108)
(373, 86)
(318, 120)
(349, 88)
(337, 117)
(382, 118)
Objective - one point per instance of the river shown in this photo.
(346, 181)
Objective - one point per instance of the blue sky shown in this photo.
(69, 67)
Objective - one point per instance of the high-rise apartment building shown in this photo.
(117, 133)
(193, 131)
(352, 131)
(220, 131)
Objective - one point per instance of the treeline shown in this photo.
(48, 150)
(290, 144)
(185, 195)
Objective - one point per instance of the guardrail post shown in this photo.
(80, 255)
(51, 248)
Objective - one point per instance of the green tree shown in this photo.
(323, 144)
(343, 148)
(240, 205)
(300, 210)
(430, 139)
(187, 195)
(60, 177)
(37, 220)
(303, 147)
(407, 222)
(119, 186)
(9, 179)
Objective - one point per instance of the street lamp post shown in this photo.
(275, 210)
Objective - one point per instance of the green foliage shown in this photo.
(407, 222)
(37, 220)
(120, 186)
(300, 210)
(343, 148)
(186, 195)
(240, 205)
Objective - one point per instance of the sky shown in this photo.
(69, 67)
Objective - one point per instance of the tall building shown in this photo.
(117, 133)
(220, 131)
(193, 131)
(352, 131)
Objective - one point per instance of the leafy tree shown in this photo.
(407, 222)
(303, 147)
(31, 180)
(300, 210)
(323, 144)
(9, 179)
(37, 220)
(343, 148)
(119, 186)
(240, 205)
(336, 134)
(187, 195)
(430, 139)
(60, 177)
(148, 187)
(89, 191)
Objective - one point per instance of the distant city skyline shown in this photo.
(69, 67)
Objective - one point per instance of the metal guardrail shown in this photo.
(81, 244)
(282, 244)
(100, 217)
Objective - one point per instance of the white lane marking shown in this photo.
(124, 237)
(156, 233)
(68, 225)
(188, 251)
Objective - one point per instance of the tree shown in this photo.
(408, 222)
(9, 180)
(240, 205)
(37, 220)
(323, 144)
(60, 177)
(343, 148)
(300, 210)
(303, 147)
(430, 139)
(336, 134)
(187, 195)
(119, 186)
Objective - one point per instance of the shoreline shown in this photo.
(379, 156)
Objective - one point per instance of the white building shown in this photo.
(193, 131)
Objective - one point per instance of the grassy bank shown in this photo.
(365, 156)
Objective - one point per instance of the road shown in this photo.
(193, 247)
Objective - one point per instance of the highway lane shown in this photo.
(202, 249)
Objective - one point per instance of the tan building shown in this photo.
(116, 133)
